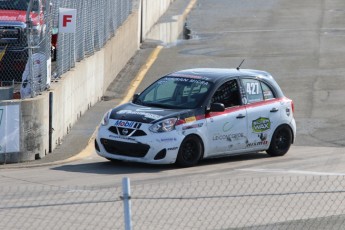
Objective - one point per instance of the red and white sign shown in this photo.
(67, 20)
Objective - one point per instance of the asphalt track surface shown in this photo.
(301, 43)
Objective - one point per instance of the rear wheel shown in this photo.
(190, 152)
(281, 141)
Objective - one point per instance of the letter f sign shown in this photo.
(67, 20)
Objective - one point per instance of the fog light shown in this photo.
(161, 154)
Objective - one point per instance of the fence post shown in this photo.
(126, 190)
(29, 43)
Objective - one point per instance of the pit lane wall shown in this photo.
(151, 12)
(24, 124)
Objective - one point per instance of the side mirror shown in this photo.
(217, 107)
(135, 97)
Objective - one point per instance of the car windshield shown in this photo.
(18, 5)
(175, 93)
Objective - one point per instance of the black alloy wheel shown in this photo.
(281, 141)
(190, 151)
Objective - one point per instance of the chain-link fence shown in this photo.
(296, 202)
(24, 36)
(29, 31)
(97, 22)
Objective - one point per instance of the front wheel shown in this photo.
(281, 141)
(190, 152)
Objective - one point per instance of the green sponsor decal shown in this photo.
(261, 124)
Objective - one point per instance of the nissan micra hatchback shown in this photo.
(195, 114)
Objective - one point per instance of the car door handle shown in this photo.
(240, 116)
(273, 110)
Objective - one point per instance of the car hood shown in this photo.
(144, 114)
(16, 16)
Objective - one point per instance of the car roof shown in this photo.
(219, 74)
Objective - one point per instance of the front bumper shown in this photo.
(153, 148)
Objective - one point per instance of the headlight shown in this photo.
(105, 119)
(164, 126)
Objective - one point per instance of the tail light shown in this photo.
(292, 107)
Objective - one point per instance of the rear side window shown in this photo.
(268, 94)
(257, 91)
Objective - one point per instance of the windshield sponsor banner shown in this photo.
(9, 129)
(190, 80)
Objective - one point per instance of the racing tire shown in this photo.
(281, 141)
(190, 152)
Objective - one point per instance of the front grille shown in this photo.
(130, 132)
(124, 148)
(12, 36)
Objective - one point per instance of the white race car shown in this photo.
(194, 114)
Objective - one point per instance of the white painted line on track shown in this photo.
(288, 171)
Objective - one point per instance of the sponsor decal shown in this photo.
(191, 76)
(261, 124)
(191, 80)
(167, 139)
(227, 127)
(149, 110)
(125, 124)
(262, 136)
(173, 148)
(147, 115)
(194, 126)
(190, 119)
(257, 143)
(229, 137)
(121, 137)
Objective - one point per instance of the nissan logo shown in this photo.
(125, 132)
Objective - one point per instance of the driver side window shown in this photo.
(227, 94)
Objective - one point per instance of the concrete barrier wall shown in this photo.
(78, 89)
(151, 12)
(83, 86)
